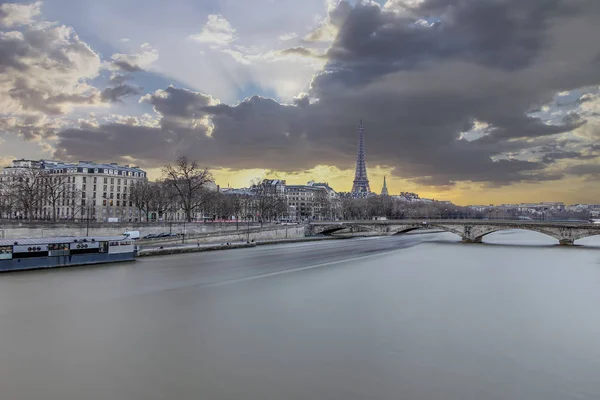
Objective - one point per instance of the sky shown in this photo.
(473, 101)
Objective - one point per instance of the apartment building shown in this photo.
(71, 191)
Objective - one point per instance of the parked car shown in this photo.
(164, 234)
(151, 236)
(132, 234)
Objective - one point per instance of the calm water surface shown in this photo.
(437, 320)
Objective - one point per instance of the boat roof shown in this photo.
(60, 239)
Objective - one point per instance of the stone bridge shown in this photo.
(470, 231)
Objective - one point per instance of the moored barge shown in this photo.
(24, 254)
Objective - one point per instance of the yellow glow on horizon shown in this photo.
(569, 191)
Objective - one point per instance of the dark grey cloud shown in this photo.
(585, 169)
(173, 102)
(118, 79)
(126, 66)
(300, 51)
(417, 88)
(114, 94)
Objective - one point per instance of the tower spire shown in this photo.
(360, 185)
(384, 189)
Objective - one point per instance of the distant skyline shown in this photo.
(473, 101)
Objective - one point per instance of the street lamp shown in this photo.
(248, 219)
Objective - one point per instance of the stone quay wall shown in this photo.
(14, 230)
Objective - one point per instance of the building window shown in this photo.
(125, 182)
(104, 194)
(105, 181)
(112, 181)
(94, 188)
(84, 179)
(104, 202)
(95, 180)
(118, 203)
(112, 188)
(94, 195)
(83, 187)
(111, 203)
(118, 181)
(118, 188)
(83, 195)
(83, 202)
(112, 195)
(118, 195)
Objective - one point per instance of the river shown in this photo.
(408, 317)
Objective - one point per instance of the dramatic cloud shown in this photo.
(446, 89)
(44, 68)
(217, 31)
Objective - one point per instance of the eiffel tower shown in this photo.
(361, 188)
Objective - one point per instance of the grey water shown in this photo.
(407, 317)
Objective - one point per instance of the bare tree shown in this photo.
(190, 182)
(7, 196)
(161, 197)
(324, 203)
(269, 201)
(27, 188)
(54, 188)
(140, 196)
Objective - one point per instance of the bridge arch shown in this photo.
(586, 235)
(553, 235)
(410, 228)
(332, 230)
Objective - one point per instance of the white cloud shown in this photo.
(135, 61)
(288, 36)
(48, 73)
(13, 14)
(424, 23)
(217, 31)
(401, 6)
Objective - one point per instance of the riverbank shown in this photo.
(195, 248)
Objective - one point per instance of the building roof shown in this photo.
(61, 239)
(304, 187)
(89, 164)
(241, 192)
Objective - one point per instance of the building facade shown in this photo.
(313, 201)
(55, 190)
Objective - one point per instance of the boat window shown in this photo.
(61, 246)
(5, 252)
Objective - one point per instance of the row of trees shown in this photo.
(189, 189)
(391, 208)
(36, 194)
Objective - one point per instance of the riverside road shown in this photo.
(400, 317)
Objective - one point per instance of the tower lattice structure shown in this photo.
(360, 186)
